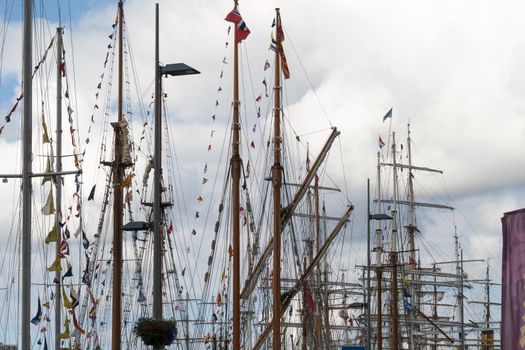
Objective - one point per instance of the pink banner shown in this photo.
(513, 281)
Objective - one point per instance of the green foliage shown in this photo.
(156, 332)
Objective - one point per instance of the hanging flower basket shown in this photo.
(156, 332)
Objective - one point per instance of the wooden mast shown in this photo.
(58, 168)
(117, 203)
(276, 182)
(235, 207)
(27, 138)
(394, 336)
(379, 271)
(157, 164)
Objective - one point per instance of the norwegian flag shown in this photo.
(241, 30)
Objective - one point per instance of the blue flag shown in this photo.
(388, 114)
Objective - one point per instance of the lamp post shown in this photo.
(173, 70)
(378, 217)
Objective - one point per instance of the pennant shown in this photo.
(92, 193)
(241, 30)
(66, 334)
(265, 87)
(69, 272)
(170, 228)
(258, 99)
(388, 115)
(78, 231)
(53, 235)
(67, 303)
(405, 281)
(45, 136)
(219, 299)
(49, 169)
(85, 242)
(408, 307)
(266, 65)
(280, 39)
(38, 317)
(74, 297)
(49, 207)
(309, 299)
(45, 343)
(141, 297)
(55, 266)
(64, 248)
(381, 142)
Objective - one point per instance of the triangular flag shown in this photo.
(49, 207)
(67, 303)
(36, 320)
(45, 136)
(55, 266)
(388, 114)
(53, 235)
(66, 334)
(69, 272)
(92, 193)
(85, 242)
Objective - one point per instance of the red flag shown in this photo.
(309, 299)
(241, 30)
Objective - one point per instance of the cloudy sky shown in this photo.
(452, 68)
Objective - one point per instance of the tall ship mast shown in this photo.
(426, 297)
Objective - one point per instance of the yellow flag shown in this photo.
(48, 170)
(45, 136)
(49, 207)
(55, 266)
(67, 303)
(53, 236)
(127, 180)
(66, 334)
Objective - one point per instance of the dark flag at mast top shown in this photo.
(241, 28)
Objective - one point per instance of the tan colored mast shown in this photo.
(236, 174)
(276, 182)
(117, 202)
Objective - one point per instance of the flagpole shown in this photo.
(276, 181)
(58, 182)
(27, 141)
(235, 164)
(118, 201)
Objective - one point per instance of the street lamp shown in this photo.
(378, 217)
(175, 69)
